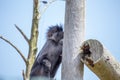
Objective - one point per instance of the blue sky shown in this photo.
(102, 23)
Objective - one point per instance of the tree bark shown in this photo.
(33, 39)
(72, 67)
(100, 61)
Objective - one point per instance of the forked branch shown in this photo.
(25, 37)
(46, 6)
(20, 53)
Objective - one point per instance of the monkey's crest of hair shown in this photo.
(54, 29)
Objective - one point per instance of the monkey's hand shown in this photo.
(47, 63)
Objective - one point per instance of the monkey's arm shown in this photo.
(44, 51)
(41, 68)
(56, 66)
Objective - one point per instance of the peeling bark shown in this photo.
(33, 39)
(100, 61)
(72, 68)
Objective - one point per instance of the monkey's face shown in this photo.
(55, 33)
(57, 36)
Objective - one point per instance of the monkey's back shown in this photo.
(51, 51)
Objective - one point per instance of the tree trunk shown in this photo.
(33, 40)
(72, 67)
(100, 61)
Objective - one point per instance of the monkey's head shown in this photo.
(55, 33)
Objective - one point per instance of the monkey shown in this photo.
(49, 58)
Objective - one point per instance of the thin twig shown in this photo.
(23, 73)
(47, 5)
(25, 37)
(20, 53)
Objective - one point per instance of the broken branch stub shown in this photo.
(92, 50)
(100, 61)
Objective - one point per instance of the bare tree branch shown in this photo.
(33, 39)
(47, 5)
(20, 53)
(100, 61)
(25, 37)
(23, 73)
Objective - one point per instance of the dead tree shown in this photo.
(72, 67)
(100, 61)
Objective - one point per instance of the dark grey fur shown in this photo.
(49, 58)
